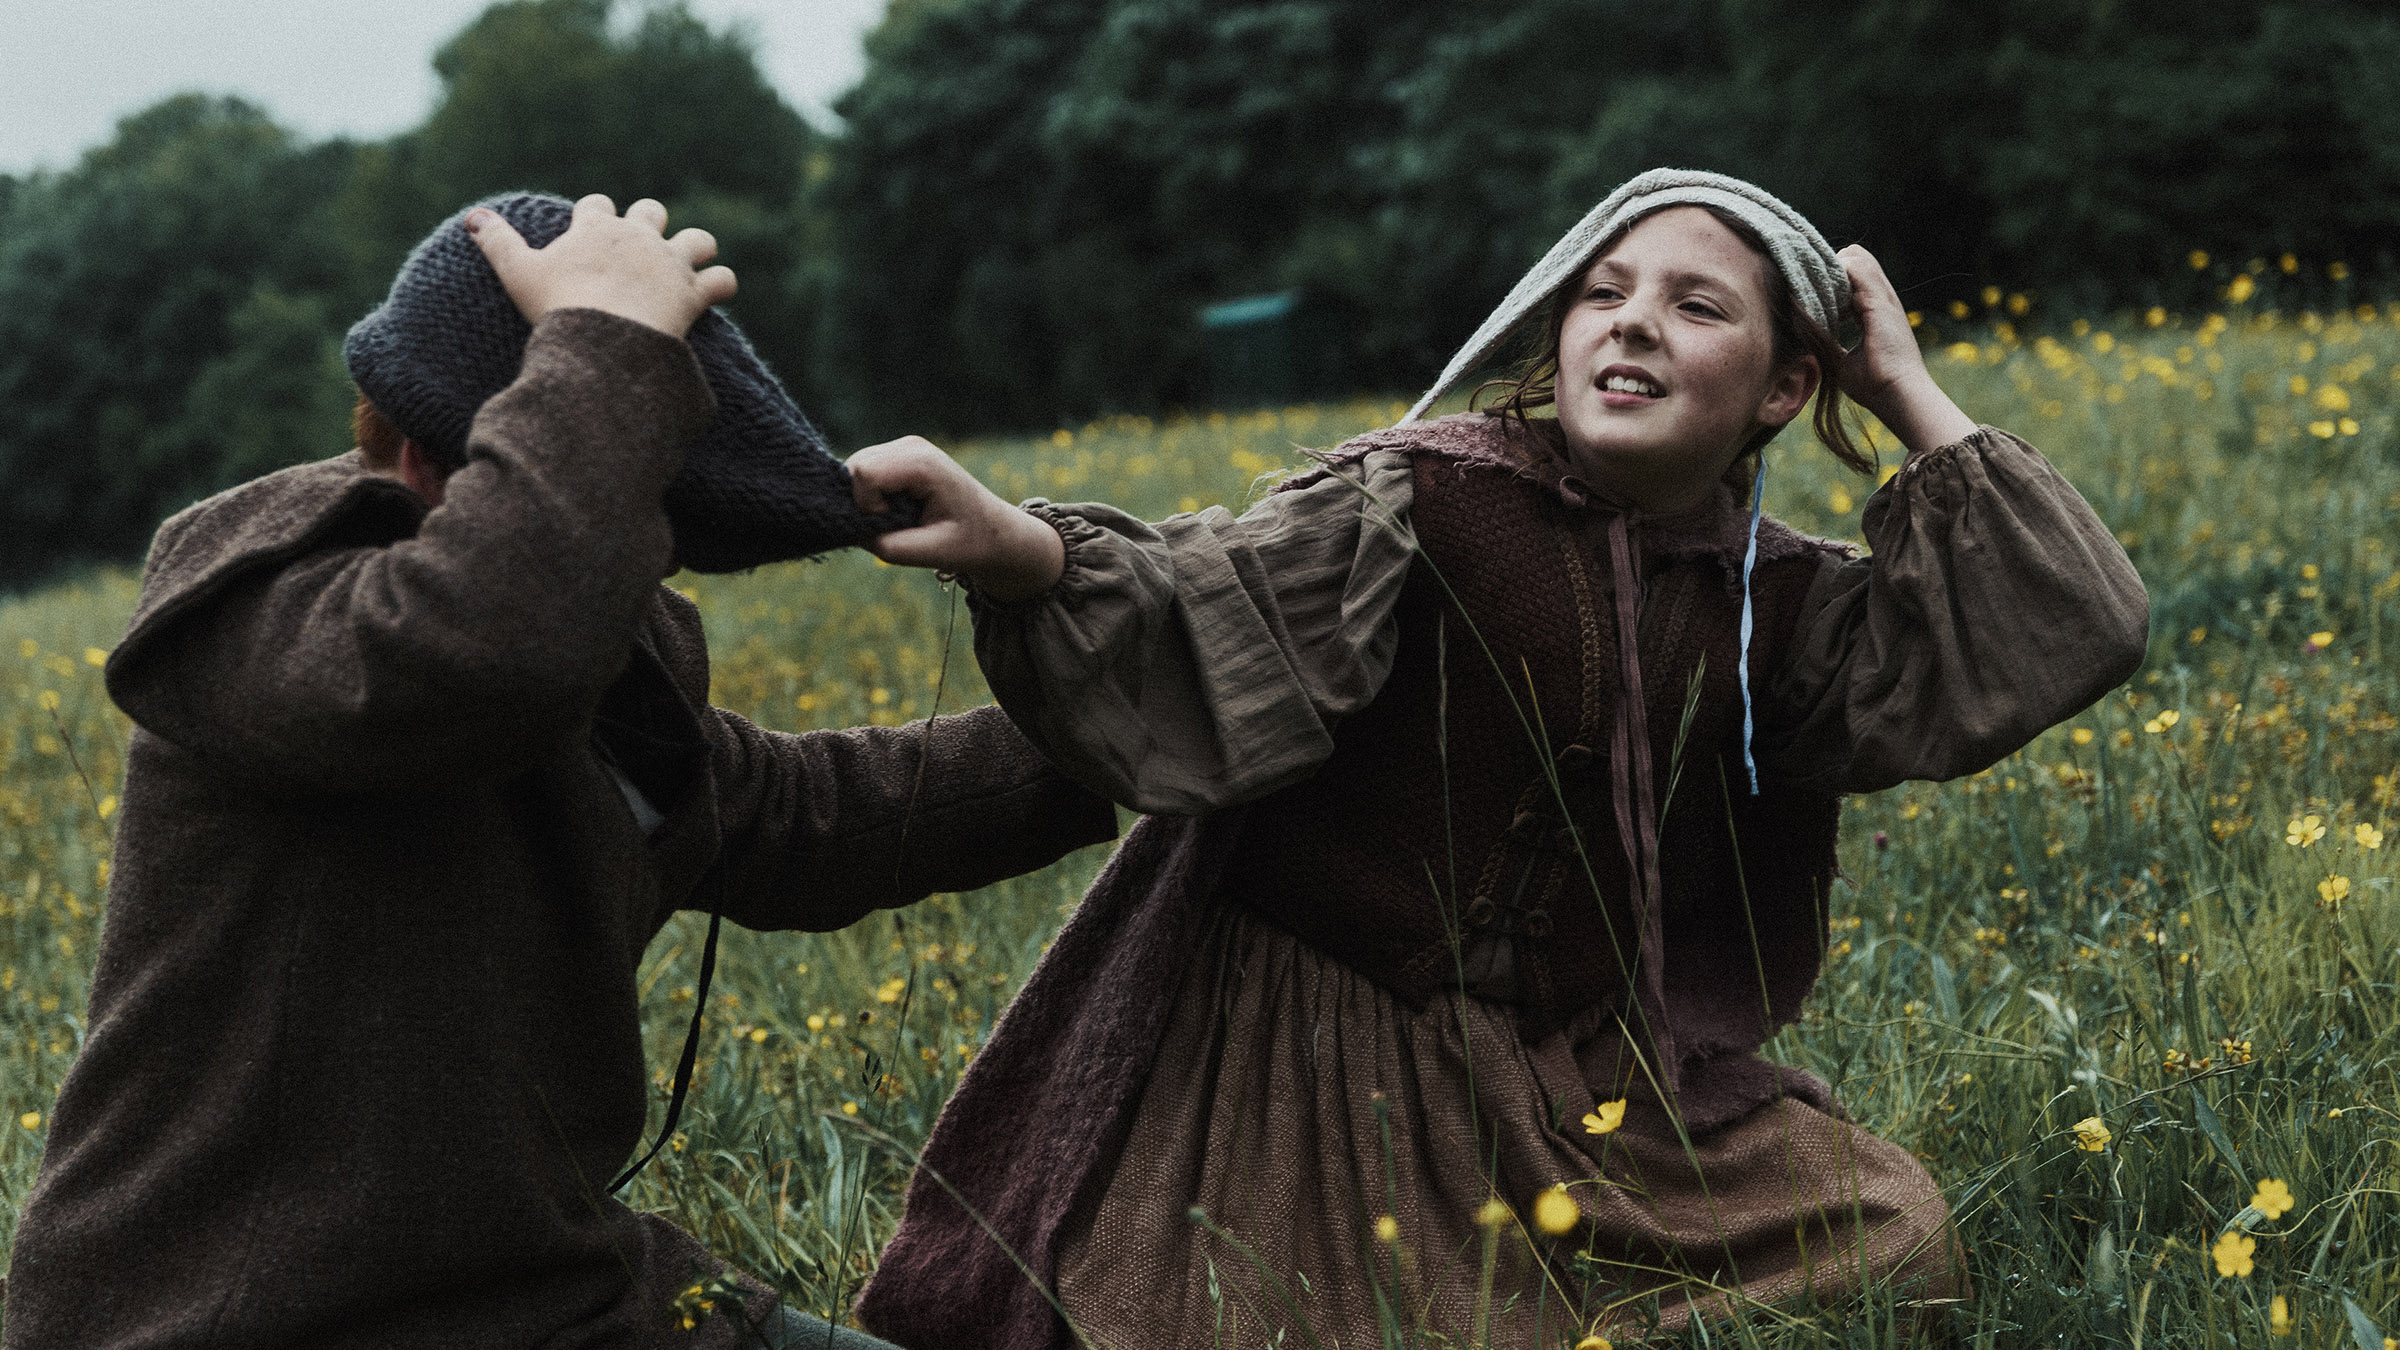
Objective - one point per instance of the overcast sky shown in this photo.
(70, 68)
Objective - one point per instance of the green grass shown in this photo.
(2094, 928)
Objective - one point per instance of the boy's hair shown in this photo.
(1534, 385)
(378, 440)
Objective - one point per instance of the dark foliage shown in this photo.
(1030, 199)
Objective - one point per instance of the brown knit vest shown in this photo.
(1434, 849)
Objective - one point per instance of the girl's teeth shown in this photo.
(1622, 384)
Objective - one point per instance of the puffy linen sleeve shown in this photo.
(1995, 604)
(1204, 660)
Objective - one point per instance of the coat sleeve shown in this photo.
(1994, 605)
(817, 830)
(460, 651)
(1204, 660)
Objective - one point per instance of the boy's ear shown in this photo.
(423, 474)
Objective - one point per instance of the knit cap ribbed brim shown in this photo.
(760, 486)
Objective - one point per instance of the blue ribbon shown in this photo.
(1758, 494)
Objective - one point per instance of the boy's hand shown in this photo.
(1005, 553)
(623, 265)
(1886, 372)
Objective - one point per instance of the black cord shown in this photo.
(691, 1052)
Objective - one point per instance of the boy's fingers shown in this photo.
(717, 285)
(594, 204)
(695, 244)
(649, 212)
(502, 246)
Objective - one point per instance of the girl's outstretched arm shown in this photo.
(1176, 667)
(1004, 552)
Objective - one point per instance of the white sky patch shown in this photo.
(69, 69)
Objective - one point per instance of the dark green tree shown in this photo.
(158, 303)
(544, 95)
(1031, 199)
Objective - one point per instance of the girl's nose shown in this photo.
(1636, 326)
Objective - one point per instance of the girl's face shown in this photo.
(1666, 361)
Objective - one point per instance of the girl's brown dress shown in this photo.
(1445, 889)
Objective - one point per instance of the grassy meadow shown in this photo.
(2124, 993)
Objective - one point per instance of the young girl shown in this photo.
(1493, 770)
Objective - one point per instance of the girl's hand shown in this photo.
(963, 527)
(1885, 374)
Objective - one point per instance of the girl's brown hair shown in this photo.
(1535, 384)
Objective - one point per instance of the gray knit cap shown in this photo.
(759, 487)
(1817, 277)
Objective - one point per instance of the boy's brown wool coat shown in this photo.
(364, 1044)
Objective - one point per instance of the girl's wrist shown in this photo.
(1916, 410)
(1027, 559)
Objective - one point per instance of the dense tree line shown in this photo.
(1029, 199)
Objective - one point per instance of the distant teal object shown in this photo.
(1276, 349)
(1249, 310)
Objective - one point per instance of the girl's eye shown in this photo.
(1701, 307)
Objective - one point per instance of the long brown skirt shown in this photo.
(1262, 1112)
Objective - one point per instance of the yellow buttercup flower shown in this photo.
(890, 990)
(2161, 722)
(47, 699)
(1493, 1214)
(2091, 1135)
(2367, 836)
(1387, 1229)
(2304, 830)
(31, 1120)
(2274, 1199)
(2279, 1316)
(1606, 1119)
(1555, 1211)
(2322, 639)
(1596, 1341)
(2334, 890)
(2232, 1254)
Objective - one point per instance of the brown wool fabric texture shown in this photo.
(1363, 859)
(1260, 1110)
(1911, 663)
(365, 1037)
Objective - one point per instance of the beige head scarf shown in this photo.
(1798, 251)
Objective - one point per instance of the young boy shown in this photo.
(423, 760)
